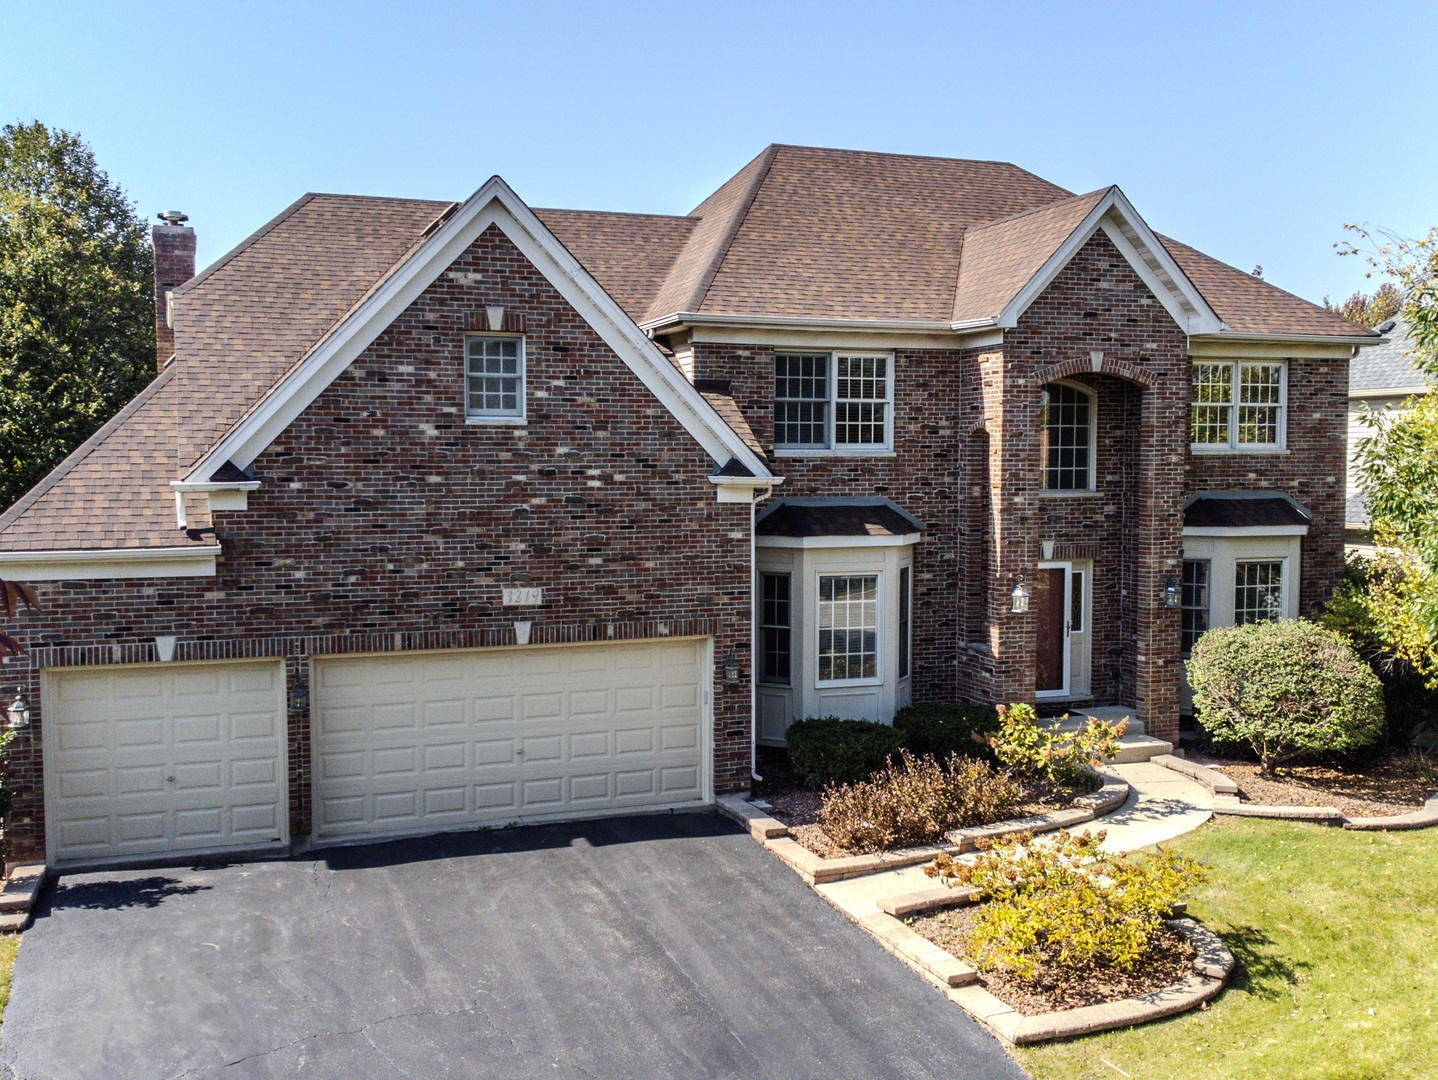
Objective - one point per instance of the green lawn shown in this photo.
(1336, 935)
(8, 944)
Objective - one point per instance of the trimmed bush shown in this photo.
(915, 801)
(945, 728)
(825, 750)
(1286, 688)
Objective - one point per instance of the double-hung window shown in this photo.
(494, 379)
(1238, 405)
(1257, 591)
(848, 627)
(833, 401)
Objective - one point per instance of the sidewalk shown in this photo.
(1161, 805)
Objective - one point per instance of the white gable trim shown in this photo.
(493, 204)
(1142, 249)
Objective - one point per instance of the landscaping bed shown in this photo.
(1396, 783)
(1170, 961)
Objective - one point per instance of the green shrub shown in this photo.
(945, 728)
(1286, 688)
(1061, 905)
(915, 801)
(1060, 757)
(826, 750)
(1410, 705)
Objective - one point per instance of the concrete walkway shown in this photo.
(1162, 804)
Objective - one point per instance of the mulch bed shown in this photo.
(1395, 784)
(1170, 960)
(798, 807)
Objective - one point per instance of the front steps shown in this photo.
(1133, 745)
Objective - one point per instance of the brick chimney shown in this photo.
(174, 265)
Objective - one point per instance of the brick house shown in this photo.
(439, 515)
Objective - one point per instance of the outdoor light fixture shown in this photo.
(299, 699)
(731, 667)
(1019, 598)
(19, 711)
(1171, 594)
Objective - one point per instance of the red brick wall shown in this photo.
(174, 265)
(385, 521)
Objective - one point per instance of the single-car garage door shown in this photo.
(153, 759)
(421, 742)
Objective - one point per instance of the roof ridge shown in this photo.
(21, 505)
(1037, 209)
(615, 213)
(911, 157)
(731, 229)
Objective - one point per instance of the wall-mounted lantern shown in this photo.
(299, 699)
(19, 711)
(731, 668)
(1019, 598)
(1172, 595)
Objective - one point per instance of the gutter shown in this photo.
(680, 319)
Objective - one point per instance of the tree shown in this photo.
(1398, 465)
(77, 334)
(1370, 310)
(1286, 688)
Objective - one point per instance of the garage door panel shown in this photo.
(545, 731)
(158, 759)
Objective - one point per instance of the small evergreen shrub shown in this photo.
(945, 728)
(1062, 907)
(915, 801)
(825, 750)
(1060, 757)
(1287, 689)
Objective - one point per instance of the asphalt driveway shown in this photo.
(667, 946)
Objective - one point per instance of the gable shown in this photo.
(494, 205)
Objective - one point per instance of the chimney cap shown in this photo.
(173, 217)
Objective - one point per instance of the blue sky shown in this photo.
(1250, 130)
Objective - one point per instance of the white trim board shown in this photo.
(493, 204)
(109, 564)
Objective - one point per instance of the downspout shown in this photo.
(754, 500)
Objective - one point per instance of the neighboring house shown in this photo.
(1379, 379)
(451, 514)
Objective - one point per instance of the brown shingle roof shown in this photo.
(1250, 305)
(628, 254)
(1001, 257)
(848, 235)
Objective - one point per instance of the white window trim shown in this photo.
(879, 636)
(519, 419)
(831, 412)
(1283, 585)
(1233, 446)
(1092, 488)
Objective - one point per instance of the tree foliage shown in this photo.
(77, 336)
(1370, 309)
(1285, 688)
(1398, 464)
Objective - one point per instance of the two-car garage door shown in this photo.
(418, 742)
(157, 759)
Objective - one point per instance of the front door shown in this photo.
(1051, 615)
(1061, 613)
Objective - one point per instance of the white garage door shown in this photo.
(153, 759)
(422, 742)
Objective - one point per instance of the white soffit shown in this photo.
(1142, 249)
(493, 204)
(108, 564)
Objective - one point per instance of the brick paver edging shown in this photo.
(816, 870)
(1225, 801)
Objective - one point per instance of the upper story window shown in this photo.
(1238, 405)
(494, 378)
(833, 401)
(1066, 438)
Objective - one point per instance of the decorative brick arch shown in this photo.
(1106, 366)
